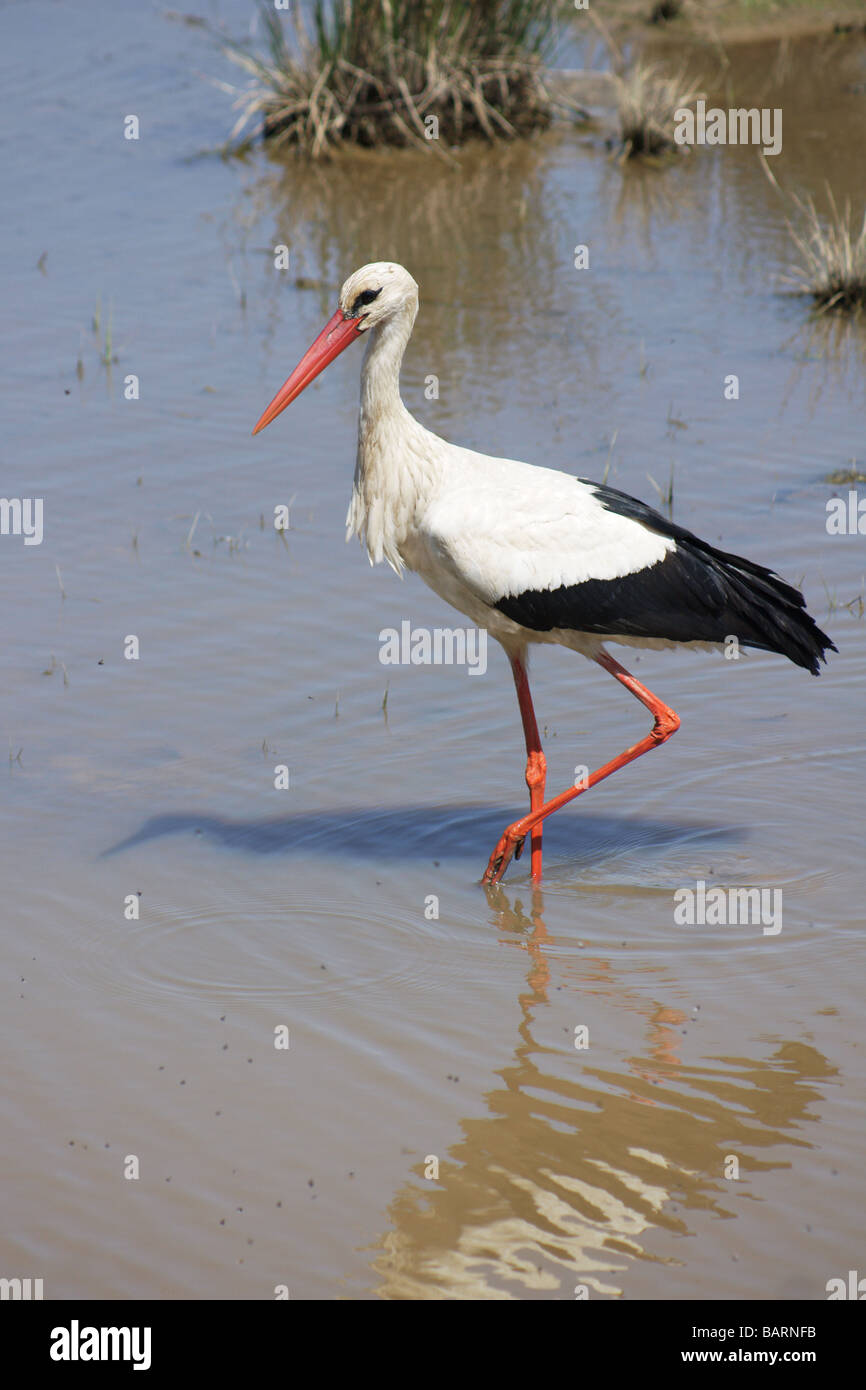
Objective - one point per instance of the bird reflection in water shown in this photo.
(557, 1189)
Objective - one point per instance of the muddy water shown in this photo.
(410, 1036)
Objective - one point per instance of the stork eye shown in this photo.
(365, 297)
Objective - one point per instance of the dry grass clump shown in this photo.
(647, 103)
(395, 72)
(832, 266)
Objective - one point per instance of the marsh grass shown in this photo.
(108, 347)
(106, 354)
(856, 606)
(832, 264)
(647, 99)
(665, 494)
(427, 73)
(840, 476)
(647, 102)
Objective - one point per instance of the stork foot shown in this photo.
(509, 847)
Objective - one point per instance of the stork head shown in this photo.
(371, 296)
(375, 292)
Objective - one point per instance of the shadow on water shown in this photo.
(421, 832)
(561, 1183)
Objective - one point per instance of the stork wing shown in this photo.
(535, 530)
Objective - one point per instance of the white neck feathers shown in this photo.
(393, 471)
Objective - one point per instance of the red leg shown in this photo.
(536, 763)
(665, 723)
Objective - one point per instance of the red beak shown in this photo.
(336, 335)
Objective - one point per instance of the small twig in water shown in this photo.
(609, 456)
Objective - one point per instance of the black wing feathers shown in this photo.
(696, 594)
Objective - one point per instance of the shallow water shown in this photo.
(410, 1036)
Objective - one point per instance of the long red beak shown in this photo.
(336, 335)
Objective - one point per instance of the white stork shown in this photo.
(532, 554)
